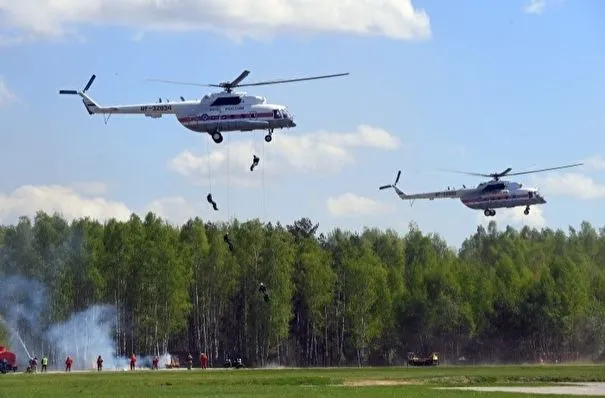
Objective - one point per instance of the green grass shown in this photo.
(292, 382)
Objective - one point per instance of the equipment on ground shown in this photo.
(8, 361)
(416, 360)
(238, 364)
(487, 196)
(213, 114)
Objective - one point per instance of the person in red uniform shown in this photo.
(68, 363)
(154, 362)
(204, 360)
(133, 361)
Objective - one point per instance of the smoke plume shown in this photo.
(84, 335)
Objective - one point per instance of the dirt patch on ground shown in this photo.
(373, 382)
(594, 389)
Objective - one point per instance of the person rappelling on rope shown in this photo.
(263, 289)
(255, 160)
(228, 242)
(212, 202)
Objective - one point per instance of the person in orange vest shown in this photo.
(133, 361)
(68, 363)
(204, 360)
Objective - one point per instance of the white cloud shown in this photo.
(595, 162)
(535, 7)
(173, 209)
(323, 152)
(570, 184)
(515, 217)
(396, 19)
(28, 199)
(84, 200)
(6, 96)
(91, 188)
(349, 204)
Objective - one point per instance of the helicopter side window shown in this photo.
(225, 101)
(276, 114)
(531, 195)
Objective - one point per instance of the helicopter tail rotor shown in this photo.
(76, 92)
(91, 106)
(394, 185)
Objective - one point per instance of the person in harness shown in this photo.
(255, 160)
(212, 202)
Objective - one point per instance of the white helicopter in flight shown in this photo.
(487, 196)
(215, 113)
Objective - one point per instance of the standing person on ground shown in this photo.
(44, 364)
(133, 361)
(68, 363)
(204, 360)
(99, 363)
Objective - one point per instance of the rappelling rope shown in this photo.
(209, 164)
(228, 177)
(264, 192)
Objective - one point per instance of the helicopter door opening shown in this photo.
(531, 195)
(277, 114)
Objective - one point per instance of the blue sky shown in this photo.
(474, 85)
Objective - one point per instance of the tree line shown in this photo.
(336, 299)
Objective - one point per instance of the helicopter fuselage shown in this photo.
(213, 114)
(501, 194)
(205, 119)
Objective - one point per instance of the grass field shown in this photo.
(332, 382)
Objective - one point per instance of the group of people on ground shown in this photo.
(33, 363)
(203, 361)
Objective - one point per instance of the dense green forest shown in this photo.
(336, 299)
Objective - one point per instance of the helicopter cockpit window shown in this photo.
(276, 114)
(225, 101)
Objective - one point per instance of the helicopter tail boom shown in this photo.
(148, 109)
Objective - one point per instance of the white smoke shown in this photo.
(84, 335)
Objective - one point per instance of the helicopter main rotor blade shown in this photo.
(467, 173)
(292, 80)
(183, 83)
(502, 174)
(239, 79)
(547, 169)
(385, 187)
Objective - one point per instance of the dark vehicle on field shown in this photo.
(417, 360)
(233, 364)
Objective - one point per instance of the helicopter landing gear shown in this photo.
(526, 211)
(489, 213)
(269, 137)
(217, 137)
